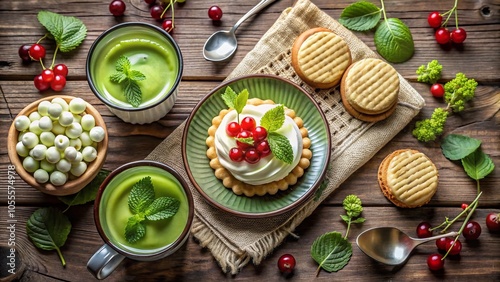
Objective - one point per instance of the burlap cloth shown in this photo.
(235, 241)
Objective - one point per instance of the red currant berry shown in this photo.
(442, 36)
(259, 133)
(243, 134)
(117, 8)
(58, 83)
(454, 248)
(24, 53)
(157, 12)
(441, 243)
(149, 2)
(233, 129)
(472, 230)
(168, 25)
(248, 123)
(286, 263)
(464, 206)
(236, 154)
(434, 19)
(437, 90)
(263, 148)
(61, 69)
(423, 230)
(252, 156)
(47, 75)
(435, 262)
(458, 35)
(493, 222)
(40, 84)
(215, 13)
(37, 52)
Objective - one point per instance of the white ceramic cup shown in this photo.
(147, 112)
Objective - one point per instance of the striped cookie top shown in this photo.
(412, 177)
(322, 57)
(371, 86)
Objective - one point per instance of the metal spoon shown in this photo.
(390, 245)
(221, 45)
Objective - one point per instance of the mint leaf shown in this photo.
(229, 96)
(48, 229)
(141, 195)
(134, 230)
(280, 146)
(123, 65)
(68, 32)
(136, 75)
(331, 251)
(273, 119)
(394, 41)
(456, 147)
(162, 208)
(358, 220)
(478, 165)
(241, 101)
(118, 77)
(88, 193)
(248, 140)
(360, 16)
(133, 93)
(345, 218)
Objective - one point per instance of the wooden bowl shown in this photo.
(72, 185)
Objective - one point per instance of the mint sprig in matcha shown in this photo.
(145, 207)
(128, 77)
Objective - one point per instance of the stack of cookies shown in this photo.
(369, 87)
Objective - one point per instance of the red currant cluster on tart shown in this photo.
(251, 141)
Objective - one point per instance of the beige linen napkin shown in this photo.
(234, 241)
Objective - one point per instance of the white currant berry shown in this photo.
(52, 155)
(74, 130)
(47, 138)
(78, 169)
(38, 152)
(35, 127)
(88, 122)
(78, 158)
(76, 143)
(77, 105)
(21, 150)
(66, 119)
(77, 118)
(43, 108)
(57, 128)
(89, 154)
(58, 178)
(85, 138)
(41, 176)
(22, 123)
(55, 110)
(45, 123)
(97, 134)
(30, 140)
(61, 142)
(30, 164)
(62, 102)
(63, 165)
(34, 116)
(48, 167)
(70, 153)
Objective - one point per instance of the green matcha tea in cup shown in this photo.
(135, 69)
(143, 211)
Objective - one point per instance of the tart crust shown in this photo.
(241, 188)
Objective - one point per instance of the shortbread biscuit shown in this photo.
(370, 89)
(408, 178)
(241, 188)
(320, 57)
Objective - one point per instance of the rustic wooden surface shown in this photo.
(478, 58)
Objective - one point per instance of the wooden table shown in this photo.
(478, 58)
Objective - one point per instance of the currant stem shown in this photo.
(43, 37)
(471, 207)
(450, 12)
(348, 228)
(54, 57)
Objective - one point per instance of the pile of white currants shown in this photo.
(58, 140)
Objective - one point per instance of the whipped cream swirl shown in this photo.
(268, 169)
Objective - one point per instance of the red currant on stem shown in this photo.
(61, 69)
(435, 262)
(493, 222)
(454, 247)
(472, 230)
(168, 25)
(215, 13)
(252, 156)
(58, 83)
(24, 53)
(442, 35)
(424, 230)
(47, 75)
(40, 84)
(442, 242)
(263, 148)
(434, 19)
(157, 12)
(248, 123)
(464, 206)
(458, 35)
(37, 52)
(437, 90)
(236, 154)
(117, 8)
(286, 263)
(259, 133)
(243, 134)
(233, 128)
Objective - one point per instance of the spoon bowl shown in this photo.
(391, 246)
(221, 45)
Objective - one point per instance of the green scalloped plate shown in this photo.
(202, 175)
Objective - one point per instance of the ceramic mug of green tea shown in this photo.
(135, 69)
(143, 211)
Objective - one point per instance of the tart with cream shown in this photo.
(257, 147)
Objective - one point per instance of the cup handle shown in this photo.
(104, 261)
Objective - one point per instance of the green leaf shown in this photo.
(133, 93)
(136, 75)
(241, 101)
(331, 251)
(456, 147)
(141, 195)
(117, 77)
(394, 41)
(358, 220)
(273, 119)
(360, 16)
(123, 64)
(478, 165)
(48, 229)
(88, 193)
(229, 96)
(68, 32)
(162, 208)
(248, 140)
(280, 146)
(345, 218)
(134, 230)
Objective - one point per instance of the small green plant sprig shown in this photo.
(476, 164)
(144, 205)
(128, 77)
(429, 73)
(458, 92)
(332, 251)
(393, 38)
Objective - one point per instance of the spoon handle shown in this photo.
(262, 4)
(419, 241)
